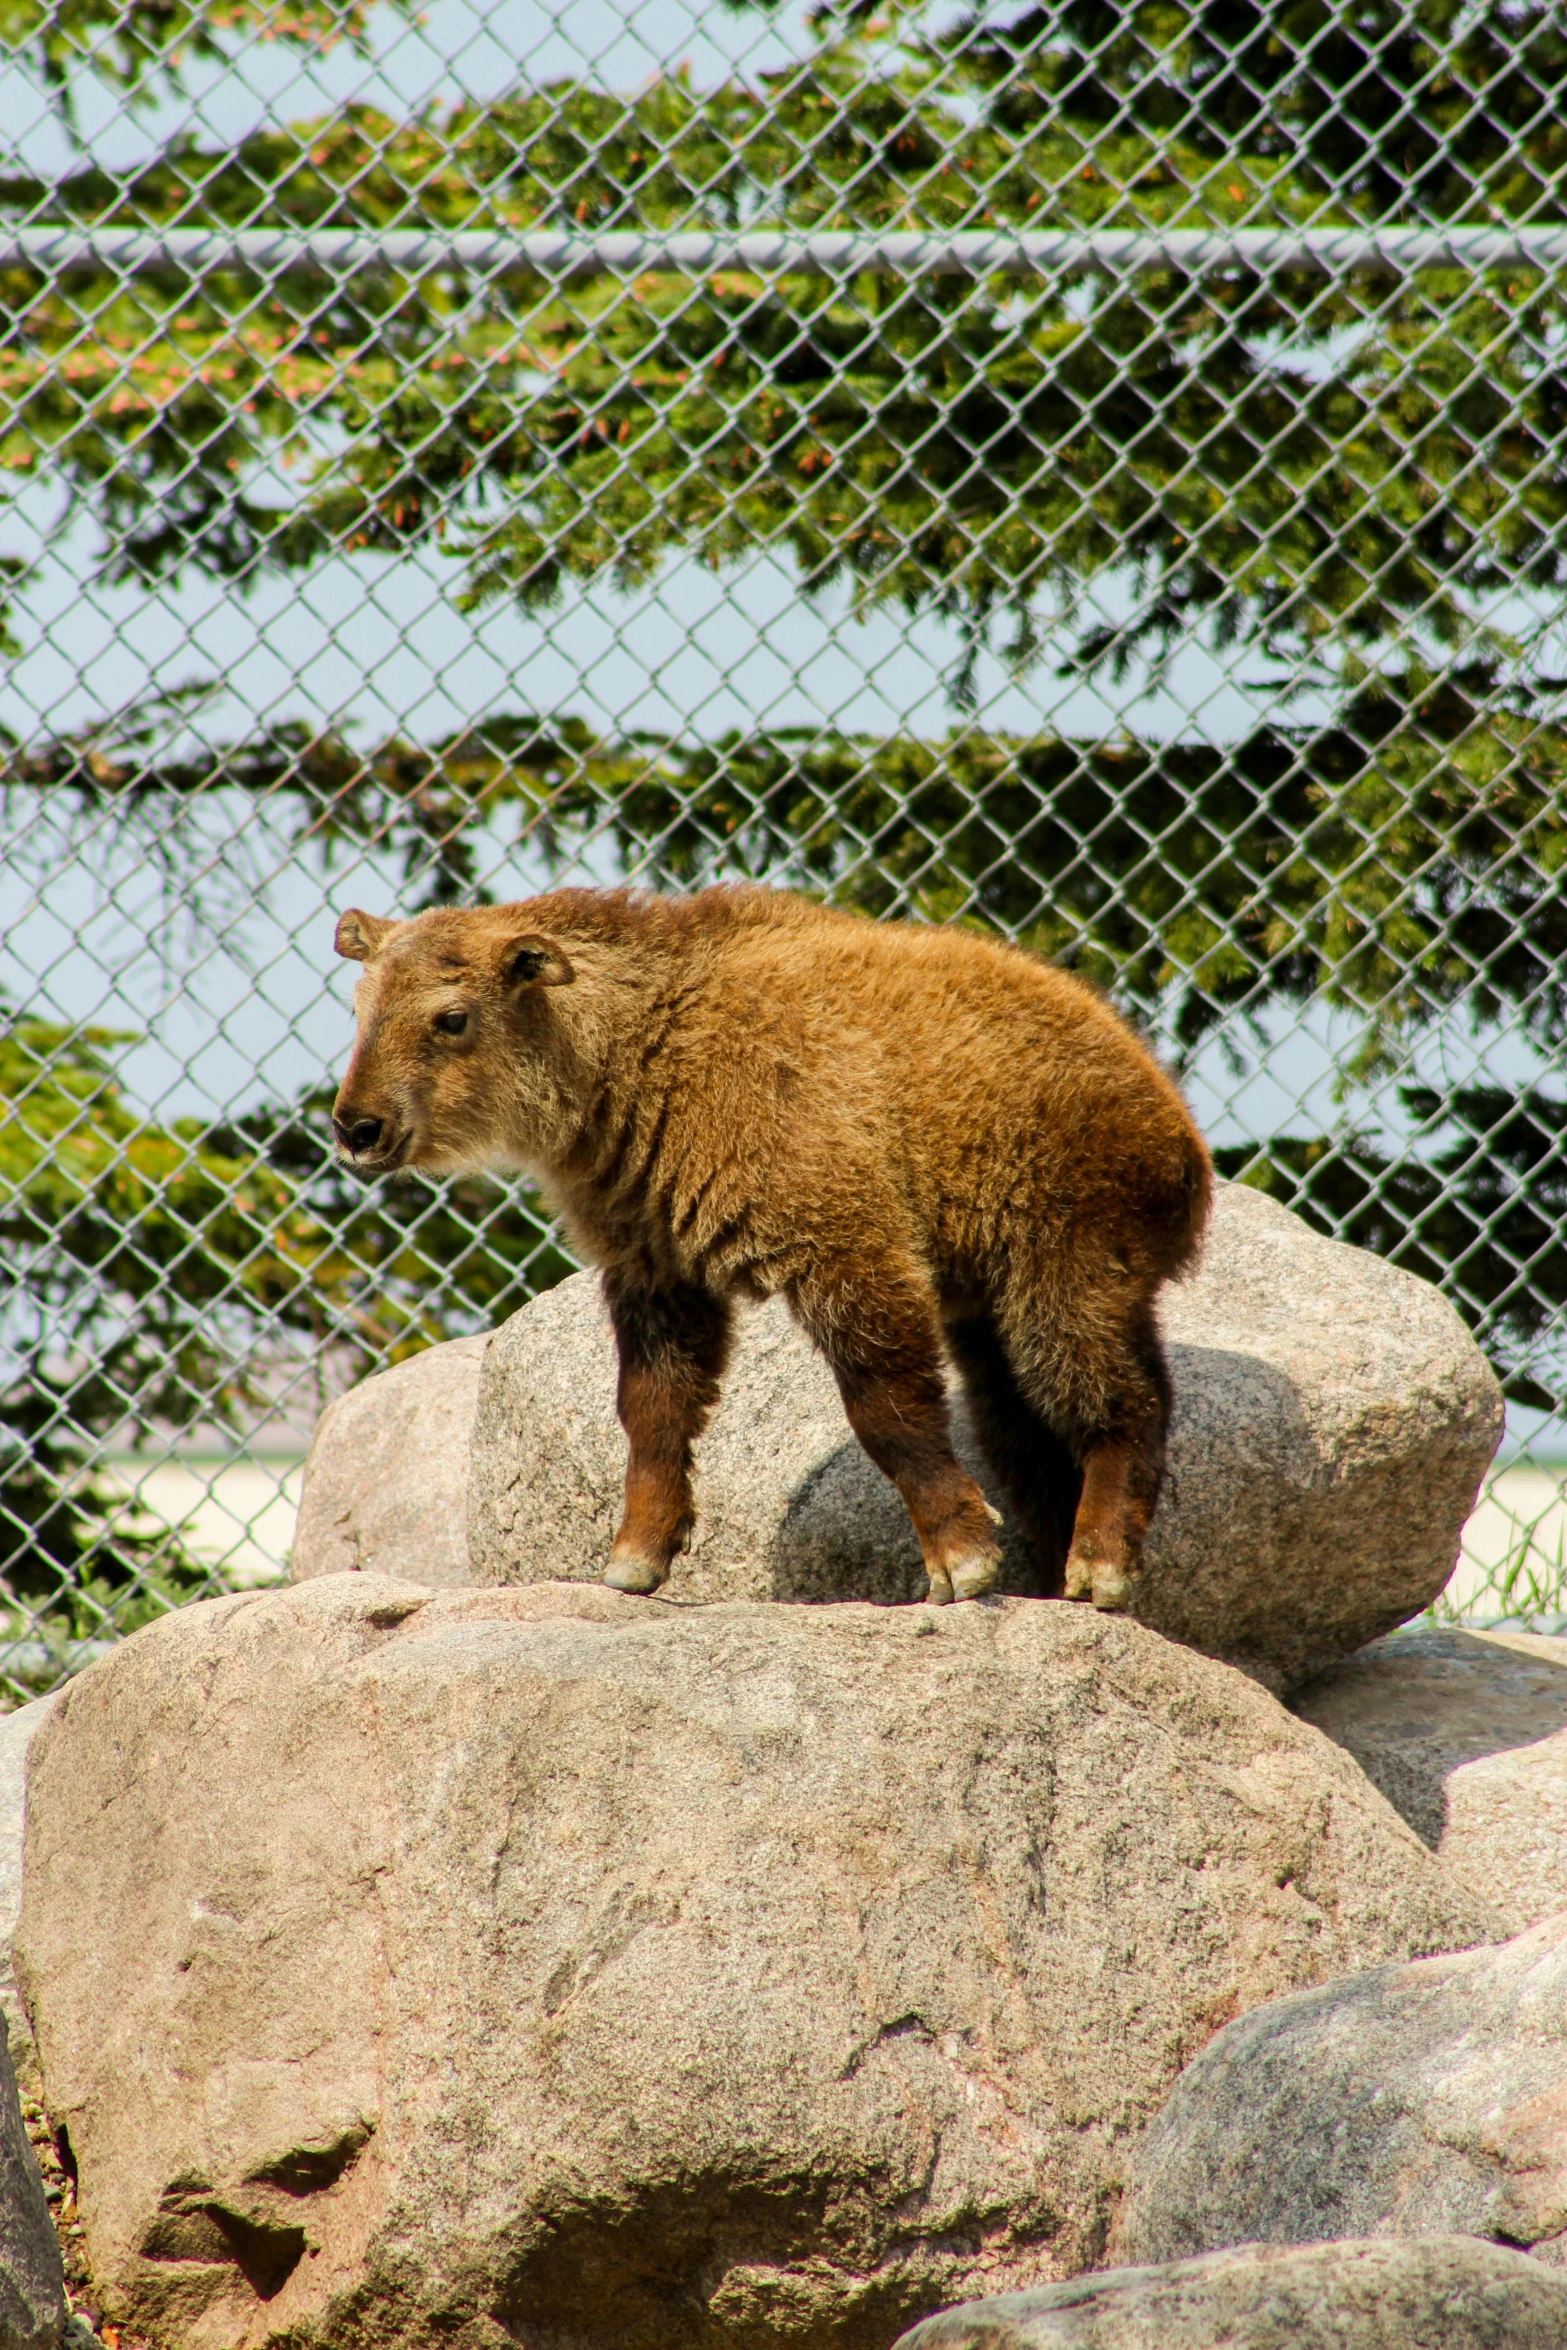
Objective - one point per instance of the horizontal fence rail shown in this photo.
(765, 253)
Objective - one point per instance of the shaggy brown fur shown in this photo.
(918, 1137)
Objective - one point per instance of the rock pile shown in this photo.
(607, 1971)
(451, 1947)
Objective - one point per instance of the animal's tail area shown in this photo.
(1178, 1205)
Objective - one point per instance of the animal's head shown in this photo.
(455, 1063)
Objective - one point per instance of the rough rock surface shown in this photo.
(386, 1478)
(552, 1967)
(1448, 2293)
(17, 1731)
(32, 2283)
(1428, 2099)
(1332, 1422)
(1466, 1735)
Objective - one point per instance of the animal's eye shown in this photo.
(450, 1023)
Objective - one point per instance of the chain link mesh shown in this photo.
(1100, 472)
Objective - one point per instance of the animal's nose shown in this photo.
(357, 1135)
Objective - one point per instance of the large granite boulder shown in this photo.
(1466, 1735)
(557, 1967)
(385, 1484)
(1414, 2100)
(1444, 2293)
(1333, 1420)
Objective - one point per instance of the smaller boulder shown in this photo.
(1332, 1422)
(1428, 2098)
(32, 2280)
(1445, 2293)
(1466, 1735)
(386, 1478)
(16, 1736)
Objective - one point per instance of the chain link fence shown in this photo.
(1094, 471)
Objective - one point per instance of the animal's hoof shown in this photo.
(1079, 1579)
(1112, 1591)
(972, 1578)
(633, 1574)
(940, 1592)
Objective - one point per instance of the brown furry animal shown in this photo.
(916, 1135)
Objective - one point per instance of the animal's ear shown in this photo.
(359, 936)
(532, 960)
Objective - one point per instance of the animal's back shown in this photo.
(1008, 1092)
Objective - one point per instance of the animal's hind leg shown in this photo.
(673, 1345)
(874, 1318)
(1123, 1468)
(1034, 1467)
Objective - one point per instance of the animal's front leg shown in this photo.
(674, 1343)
